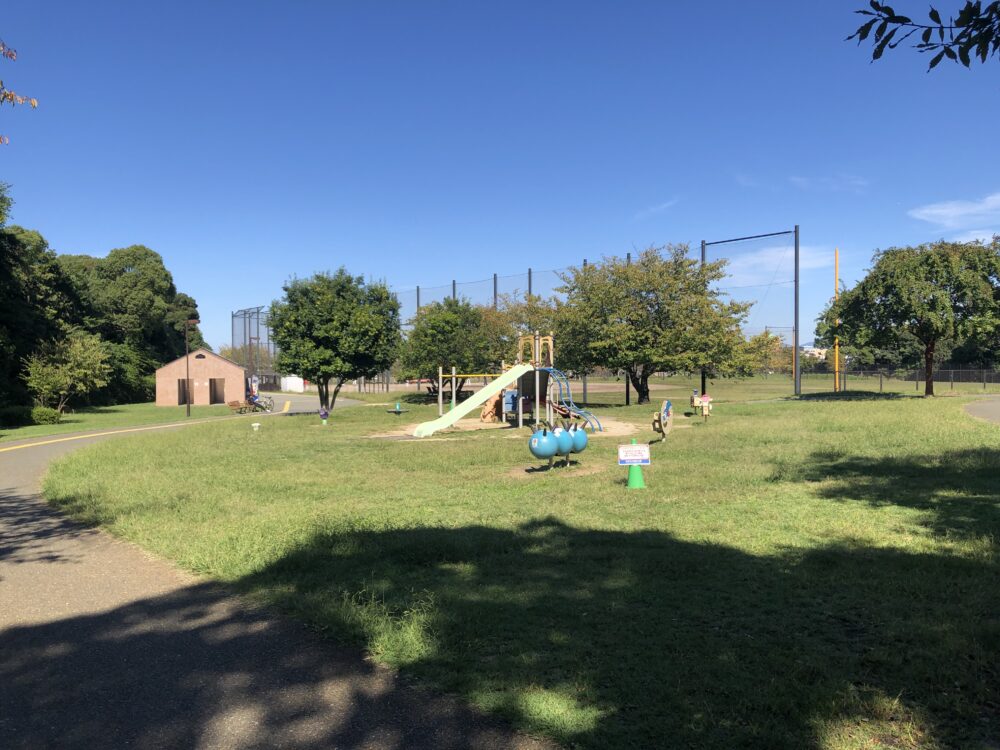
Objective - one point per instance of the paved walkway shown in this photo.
(986, 408)
(104, 646)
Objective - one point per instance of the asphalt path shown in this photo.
(103, 645)
(985, 408)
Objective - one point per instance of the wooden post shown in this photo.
(454, 396)
(440, 391)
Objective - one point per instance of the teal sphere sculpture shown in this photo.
(564, 441)
(579, 438)
(543, 444)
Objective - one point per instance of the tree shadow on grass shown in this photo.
(851, 396)
(959, 490)
(609, 639)
(191, 669)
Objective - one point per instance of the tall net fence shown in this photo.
(759, 269)
(488, 292)
(252, 346)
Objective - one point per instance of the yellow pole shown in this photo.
(836, 339)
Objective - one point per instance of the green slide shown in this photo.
(479, 398)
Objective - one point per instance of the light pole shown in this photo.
(187, 364)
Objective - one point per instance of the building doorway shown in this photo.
(182, 391)
(217, 391)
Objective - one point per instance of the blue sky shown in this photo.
(423, 141)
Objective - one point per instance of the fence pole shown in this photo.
(796, 364)
(704, 245)
(951, 378)
(984, 380)
(880, 382)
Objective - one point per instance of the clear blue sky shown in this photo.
(248, 142)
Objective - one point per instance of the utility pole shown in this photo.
(187, 365)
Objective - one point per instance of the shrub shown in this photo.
(15, 416)
(45, 415)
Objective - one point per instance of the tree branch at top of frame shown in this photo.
(6, 95)
(973, 34)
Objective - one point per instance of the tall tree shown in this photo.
(944, 291)
(37, 301)
(451, 333)
(973, 34)
(334, 328)
(658, 314)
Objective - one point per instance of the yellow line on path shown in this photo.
(100, 434)
(287, 406)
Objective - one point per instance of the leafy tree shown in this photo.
(450, 334)
(129, 298)
(766, 352)
(6, 95)
(334, 328)
(37, 301)
(933, 293)
(657, 314)
(974, 33)
(69, 367)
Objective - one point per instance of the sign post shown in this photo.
(634, 456)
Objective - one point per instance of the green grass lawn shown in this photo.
(110, 417)
(820, 573)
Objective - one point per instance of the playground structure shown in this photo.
(531, 382)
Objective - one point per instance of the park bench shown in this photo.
(240, 407)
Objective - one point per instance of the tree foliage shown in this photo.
(334, 328)
(7, 96)
(941, 292)
(658, 314)
(128, 298)
(974, 34)
(453, 333)
(70, 367)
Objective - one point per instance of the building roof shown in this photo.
(203, 350)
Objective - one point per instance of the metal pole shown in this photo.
(495, 291)
(538, 359)
(703, 378)
(454, 290)
(418, 299)
(796, 364)
(880, 381)
(628, 259)
(836, 339)
(187, 371)
(453, 395)
(585, 389)
(529, 294)
(440, 391)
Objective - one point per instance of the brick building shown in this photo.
(214, 380)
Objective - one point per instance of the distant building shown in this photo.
(214, 380)
(814, 352)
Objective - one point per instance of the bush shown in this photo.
(45, 415)
(15, 416)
